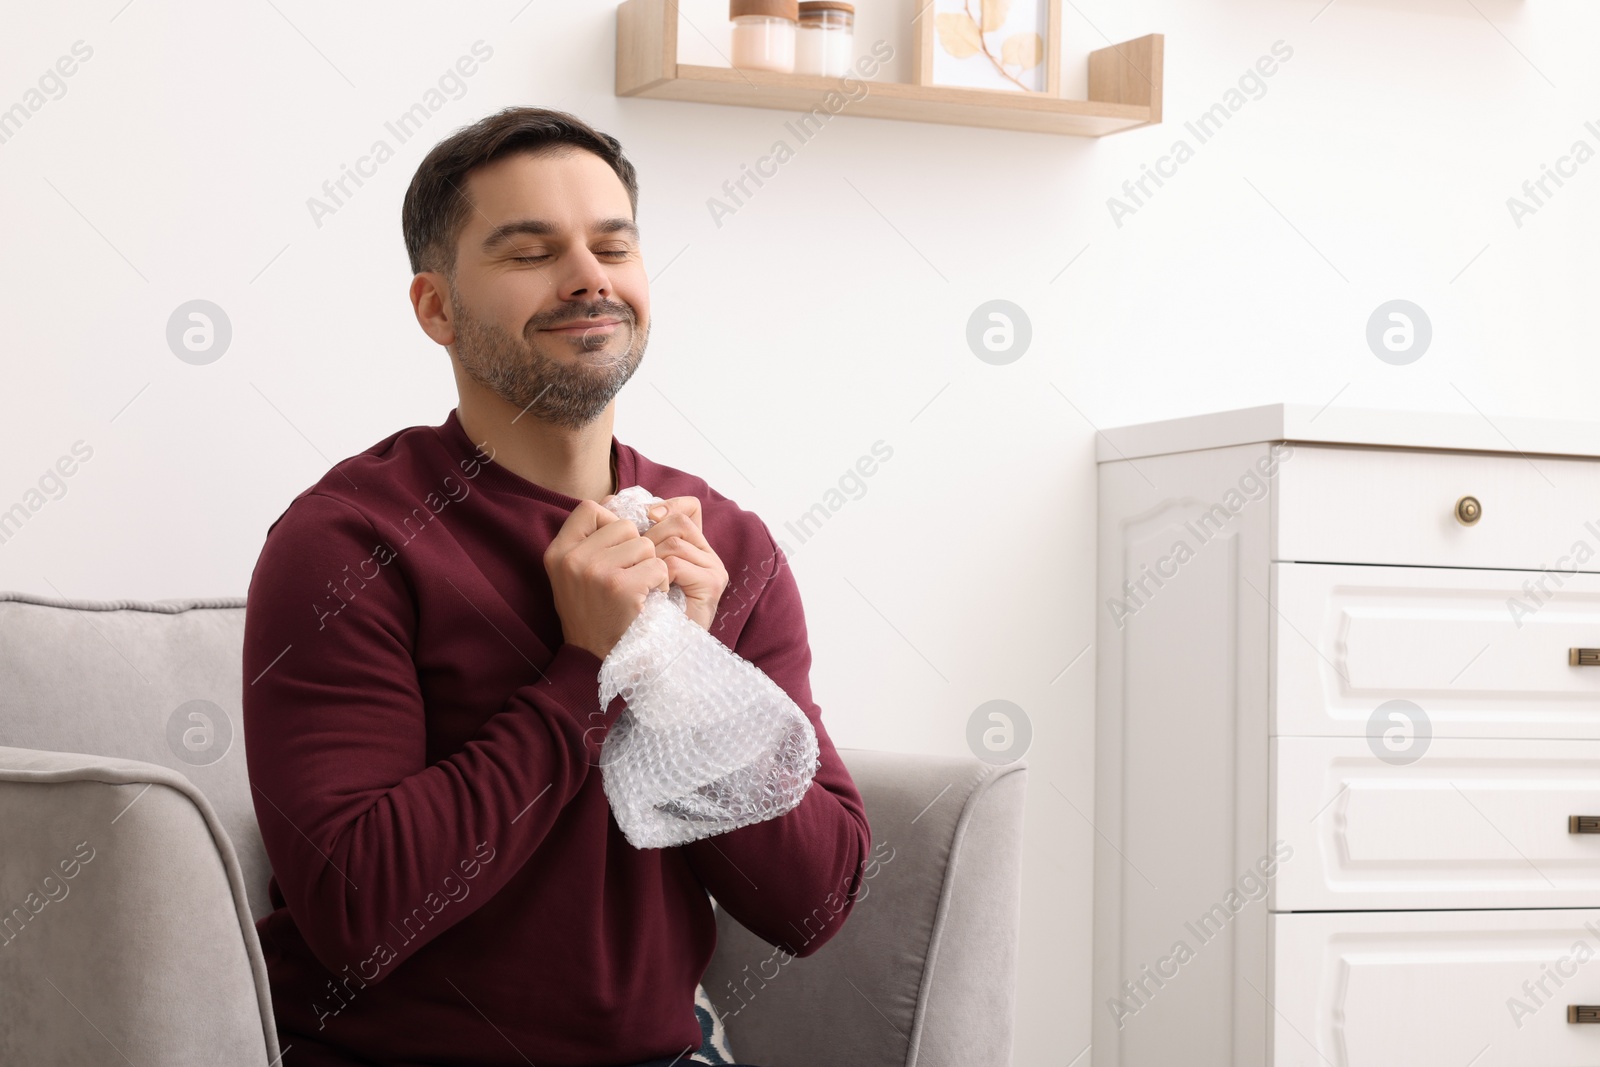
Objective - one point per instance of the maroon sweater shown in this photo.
(449, 883)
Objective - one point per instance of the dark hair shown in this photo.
(436, 207)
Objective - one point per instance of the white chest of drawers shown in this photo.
(1291, 869)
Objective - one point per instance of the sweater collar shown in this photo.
(491, 475)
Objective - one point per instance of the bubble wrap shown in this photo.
(708, 743)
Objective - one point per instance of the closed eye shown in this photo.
(535, 259)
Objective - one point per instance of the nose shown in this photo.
(588, 278)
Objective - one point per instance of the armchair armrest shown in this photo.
(125, 931)
(923, 973)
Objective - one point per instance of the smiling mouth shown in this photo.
(583, 325)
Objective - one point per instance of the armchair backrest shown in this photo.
(155, 681)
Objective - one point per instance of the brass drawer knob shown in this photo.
(1583, 1013)
(1468, 510)
(1583, 824)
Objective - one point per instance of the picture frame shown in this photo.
(1020, 51)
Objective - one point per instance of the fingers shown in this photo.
(680, 525)
(689, 577)
(584, 520)
(594, 538)
(588, 517)
(650, 573)
(688, 506)
(610, 529)
(677, 547)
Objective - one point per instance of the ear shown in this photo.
(430, 300)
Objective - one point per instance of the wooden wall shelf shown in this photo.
(1124, 85)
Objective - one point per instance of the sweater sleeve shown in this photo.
(360, 829)
(793, 880)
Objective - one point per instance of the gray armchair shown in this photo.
(132, 872)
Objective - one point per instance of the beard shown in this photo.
(570, 391)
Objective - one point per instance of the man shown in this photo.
(423, 638)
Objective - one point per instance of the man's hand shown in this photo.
(691, 564)
(600, 569)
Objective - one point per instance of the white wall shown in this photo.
(828, 313)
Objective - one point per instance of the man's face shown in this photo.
(550, 302)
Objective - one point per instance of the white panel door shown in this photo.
(1469, 824)
(1476, 651)
(1434, 988)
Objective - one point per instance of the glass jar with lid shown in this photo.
(764, 34)
(823, 42)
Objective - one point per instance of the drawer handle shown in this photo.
(1583, 824)
(1583, 657)
(1583, 1013)
(1468, 510)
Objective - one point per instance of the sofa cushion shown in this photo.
(713, 1035)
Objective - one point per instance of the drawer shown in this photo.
(1472, 824)
(1434, 988)
(1392, 506)
(1474, 650)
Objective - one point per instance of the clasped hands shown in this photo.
(601, 569)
